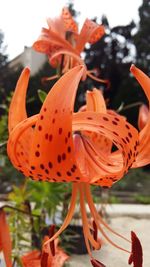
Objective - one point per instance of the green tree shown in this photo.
(142, 37)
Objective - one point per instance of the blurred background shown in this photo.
(127, 41)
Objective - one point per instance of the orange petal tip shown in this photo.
(27, 70)
(132, 68)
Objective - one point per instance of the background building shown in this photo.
(30, 58)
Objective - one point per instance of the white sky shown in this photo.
(21, 21)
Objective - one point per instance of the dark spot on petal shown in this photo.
(50, 137)
(37, 153)
(105, 119)
(41, 117)
(116, 119)
(63, 156)
(127, 126)
(69, 149)
(114, 122)
(53, 121)
(124, 140)
(47, 171)
(115, 133)
(39, 174)
(130, 135)
(69, 173)
(40, 128)
(42, 166)
(50, 165)
(58, 174)
(60, 131)
(59, 159)
(32, 167)
(46, 136)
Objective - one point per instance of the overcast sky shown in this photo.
(21, 21)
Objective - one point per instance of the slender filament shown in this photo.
(97, 219)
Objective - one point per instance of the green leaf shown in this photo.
(42, 95)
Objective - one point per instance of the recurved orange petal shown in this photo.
(91, 32)
(56, 25)
(17, 109)
(50, 42)
(19, 144)
(143, 116)
(144, 138)
(69, 23)
(5, 239)
(52, 150)
(95, 102)
(106, 169)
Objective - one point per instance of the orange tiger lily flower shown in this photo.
(62, 38)
(5, 239)
(58, 145)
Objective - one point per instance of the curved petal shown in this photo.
(49, 41)
(52, 151)
(56, 25)
(76, 58)
(5, 239)
(17, 110)
(91, 32)
(19, 144)
(144, 136)
(143, 116)
(123, 135)
(69, 23)
(95, 102)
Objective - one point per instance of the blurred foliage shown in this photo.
(136, 180)
(142, 37)
(25, 225)
(28, 208)
(142, 199)
(49, 196)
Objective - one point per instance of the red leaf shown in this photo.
(136, 256)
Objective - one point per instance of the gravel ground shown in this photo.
(111, 256)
